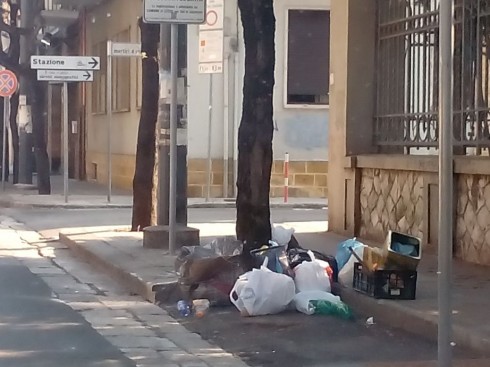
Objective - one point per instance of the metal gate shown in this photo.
(407, 74)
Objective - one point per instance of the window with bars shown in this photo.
(408, 74)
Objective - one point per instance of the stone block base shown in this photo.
(158, 237)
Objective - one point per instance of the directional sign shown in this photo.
(124, 49)
(174, 11)
(65, 62)
(65, 75)
(8, 83)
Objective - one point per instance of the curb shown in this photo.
(130, 281)
(391, 314)
(231, 205)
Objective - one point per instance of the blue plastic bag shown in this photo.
(343, 253)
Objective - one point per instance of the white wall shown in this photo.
(301, 131)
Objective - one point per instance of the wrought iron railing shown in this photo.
(407, 74)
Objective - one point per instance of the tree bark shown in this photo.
(256, 128)
(146, 148)
(14, 107)
(37, 98)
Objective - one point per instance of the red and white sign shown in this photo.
(214, 15)
(8, 83)
(211, 39)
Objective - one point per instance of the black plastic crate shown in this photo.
(385, 284)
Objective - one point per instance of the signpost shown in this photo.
(211, 38)
(65, 75)
(115, 49)
(65, 62)
(65, 69)
(175, 12)
(8, 86)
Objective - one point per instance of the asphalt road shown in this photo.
(36, 330)
(293, 339)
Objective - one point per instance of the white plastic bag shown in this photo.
(347, 273)
(281, 235)
(312, 275)
(262, 292)
(302, 300)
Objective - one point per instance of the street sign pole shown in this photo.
(210, 139)
(175, 12)
(174, 41)
(65, 141)
(445, 182)
(6, 117)
(109, 121)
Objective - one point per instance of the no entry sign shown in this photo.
(8, 83)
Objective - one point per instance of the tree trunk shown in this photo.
(146, 149)
(37, 98)
(14, 107)
(256, 127)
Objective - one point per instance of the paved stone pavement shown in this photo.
(143, 331)
(120, 254)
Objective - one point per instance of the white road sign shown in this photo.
(174, 11)
(214, 15)
(117, 49)
(65, 75)
(65, 62)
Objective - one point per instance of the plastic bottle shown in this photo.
(184, 308)
(200, 307)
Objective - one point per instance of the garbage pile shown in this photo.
(389, 272)
(284, 276)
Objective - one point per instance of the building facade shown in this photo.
(384, 123)
(301, 101)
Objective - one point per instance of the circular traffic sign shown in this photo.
(8, 83)
(211, 18)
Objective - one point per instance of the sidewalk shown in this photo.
(91, 195)
(121, 255)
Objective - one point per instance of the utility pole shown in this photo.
(164, 133)
(445, 255)
(164, 127)
(27, 10)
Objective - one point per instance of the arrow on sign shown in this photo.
(87, 75)
(94, 63)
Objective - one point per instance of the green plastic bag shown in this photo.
(339, 309)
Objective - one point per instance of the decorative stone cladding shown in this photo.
(472, 234)
(393, 200)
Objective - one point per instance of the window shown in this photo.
(121, 77)
(100, 79)
(308, 57)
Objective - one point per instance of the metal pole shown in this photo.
(50, 125)
(6, 118)
(65, 141)
(109, 121)
(226, 124)
(174, 42)
(445, 182)
(210, 137)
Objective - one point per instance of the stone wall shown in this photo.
(391, 199)
(306, 178)
(472, 234)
